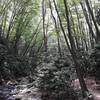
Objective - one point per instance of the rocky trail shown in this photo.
(21, 91)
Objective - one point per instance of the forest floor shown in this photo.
(20, 91)
(93, 88)
(27, 91)
(95, 91)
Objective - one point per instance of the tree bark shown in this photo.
(56, 27)
(94, 21)
(87, 20)
(73, 52)
(44, 33)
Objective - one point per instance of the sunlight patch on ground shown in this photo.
(97, 95)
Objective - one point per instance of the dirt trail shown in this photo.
(27, 91)
(96, 95)
(92, 86)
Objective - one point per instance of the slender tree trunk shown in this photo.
(11, 23)
(72, 48)
(79, 27)
(57, 31)
(87, 20)
(24, 51)
(73, 52)
(44, 34)
(93, 18)
(73, 24)
(61, 25)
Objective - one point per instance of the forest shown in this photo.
(49, 49)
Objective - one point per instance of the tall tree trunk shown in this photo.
(61, 25)
(44, 33)
(72, 48)
(87, 20)
(93, 18)
(25, 50)
(57, 31)
(73, 52)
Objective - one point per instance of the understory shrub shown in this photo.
(12, 66)
(54, 80)
(94, 68)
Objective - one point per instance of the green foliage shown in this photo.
(12, 66)
(94, 68)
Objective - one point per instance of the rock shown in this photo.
(2, 98)
(12, 82)
(28, 92)
(17, 98)
(10, 98)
